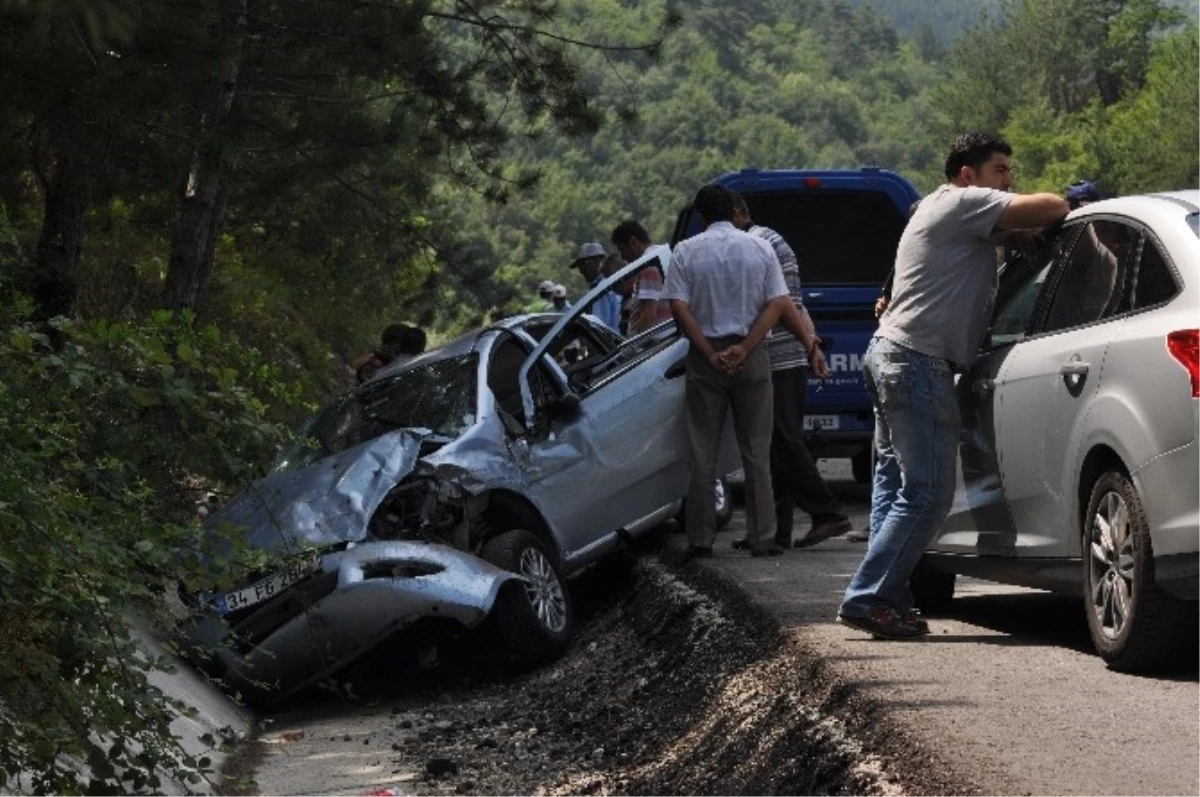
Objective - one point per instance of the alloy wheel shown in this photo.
(544, 590)
(1111, 564)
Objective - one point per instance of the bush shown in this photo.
(108, 433)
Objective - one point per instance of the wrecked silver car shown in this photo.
(467, 483)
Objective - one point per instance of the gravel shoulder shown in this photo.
(677, 685)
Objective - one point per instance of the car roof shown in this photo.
(1161, 204)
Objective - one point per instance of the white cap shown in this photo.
(545, 286)
(560, 292)
(592, 249)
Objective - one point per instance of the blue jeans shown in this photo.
(916, 440)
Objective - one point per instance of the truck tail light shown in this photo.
(1184, 346)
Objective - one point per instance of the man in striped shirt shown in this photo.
(792, 347)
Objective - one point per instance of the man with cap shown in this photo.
(544, 303)
(608, 307)
(559, 297)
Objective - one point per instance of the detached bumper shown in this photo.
(361, 596)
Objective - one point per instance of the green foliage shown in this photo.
(107, 436)
(769, 83)
(1150, 139)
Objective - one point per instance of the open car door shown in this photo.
(619, 459)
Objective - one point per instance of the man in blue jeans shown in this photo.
(944, 285)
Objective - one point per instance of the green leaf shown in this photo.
(144, 397)
(187, 354)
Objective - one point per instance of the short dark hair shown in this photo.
(714, 203)
(413, 341)
(394, 333)
(974, 150)
(627, 230)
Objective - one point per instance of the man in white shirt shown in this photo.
(726, 291)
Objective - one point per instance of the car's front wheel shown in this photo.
(533, 615)
(1133, 623)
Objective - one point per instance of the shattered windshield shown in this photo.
(439, 397)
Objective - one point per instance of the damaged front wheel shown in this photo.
(533, 615)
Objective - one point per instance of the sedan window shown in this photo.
(1012, 317)
(439, 397)
(1021, 282)
(1155, 283)
(1093, 285)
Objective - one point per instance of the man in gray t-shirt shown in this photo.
(945, 282)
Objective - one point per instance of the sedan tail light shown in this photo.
(1184, 346)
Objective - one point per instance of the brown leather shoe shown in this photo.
(826, 529)
(883, 622)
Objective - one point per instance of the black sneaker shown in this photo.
(884, 622)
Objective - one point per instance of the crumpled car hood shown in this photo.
(328, 502)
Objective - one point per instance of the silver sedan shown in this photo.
(468, 484)
(1078, 467)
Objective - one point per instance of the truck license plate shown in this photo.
(821, 423)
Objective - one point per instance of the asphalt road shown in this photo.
(1006, 688)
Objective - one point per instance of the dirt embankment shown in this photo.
(676, 685)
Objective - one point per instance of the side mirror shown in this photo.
(563, 408)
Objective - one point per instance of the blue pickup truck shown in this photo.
(844, 226)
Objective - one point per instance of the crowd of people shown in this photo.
(734, 292)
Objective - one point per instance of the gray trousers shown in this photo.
(710, 393)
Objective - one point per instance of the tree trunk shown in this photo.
(55, 279)
(195, 239)
(202, 209)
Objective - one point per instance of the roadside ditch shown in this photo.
(676, 685)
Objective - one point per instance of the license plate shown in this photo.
(821, 423)
(267, 588)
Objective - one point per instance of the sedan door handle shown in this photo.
(677, 370)
(1074, 368)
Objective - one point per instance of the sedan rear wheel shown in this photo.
(1132, 622)
(534, 614)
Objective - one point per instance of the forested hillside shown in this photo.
(765, 83)
(827, 84)
(945, 19)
